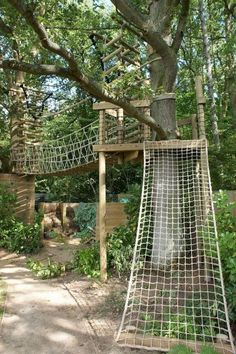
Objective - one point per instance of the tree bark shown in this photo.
(208, 64)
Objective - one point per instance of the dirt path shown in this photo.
(64, 316)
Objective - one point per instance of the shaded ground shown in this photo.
(67, 315)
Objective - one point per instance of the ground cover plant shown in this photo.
(182, 349)
(48, 270)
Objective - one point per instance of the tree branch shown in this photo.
(153, 38)
(86, 83)
(130, 13)
(181, 25)
(38, 28)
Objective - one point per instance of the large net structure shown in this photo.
(176, 292)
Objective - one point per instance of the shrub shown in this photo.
(14, 234)
(87, 261)
(85, 218)
(227, 242)
(120, 244)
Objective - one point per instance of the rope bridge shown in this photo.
(74, 151)
(176, 293)
(66, 153)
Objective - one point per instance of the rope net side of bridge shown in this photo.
(176, 292)
(61, 154)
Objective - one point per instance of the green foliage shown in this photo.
(45, 271)
(7, 203)
(186, 324)
(227, 242)
(14, 234)
(223, 172)
(86, 260)
(182, 349)
(85, 218)
(207, 349)
(120, 244)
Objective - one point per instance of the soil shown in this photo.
(67, 315)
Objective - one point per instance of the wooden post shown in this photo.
(120, 126)
(120, 132)
(41, 209)
(102, 216)
(194, 126)
(63, 207)
(102, 127)
(102, 199)
(200, 107)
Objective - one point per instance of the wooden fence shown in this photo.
(23, 187)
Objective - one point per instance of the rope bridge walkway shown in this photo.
(176, 293)
(73, 151)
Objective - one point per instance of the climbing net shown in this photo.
(176, 292)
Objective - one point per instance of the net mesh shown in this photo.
(176, 292)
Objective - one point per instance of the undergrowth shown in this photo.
(51, 269)
(120, 244)
(16, 236)
(182, 349)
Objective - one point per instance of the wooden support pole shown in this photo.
(120, 126)
(102, 127)
(102, 216)
(194, 126)
(200, 107)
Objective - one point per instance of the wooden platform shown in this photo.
(165, 344)
(165, 144)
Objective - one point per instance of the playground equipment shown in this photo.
(176, 292)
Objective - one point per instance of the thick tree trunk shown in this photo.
(166, 236)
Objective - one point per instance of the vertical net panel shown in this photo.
(176, 292)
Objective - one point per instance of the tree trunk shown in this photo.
(167, 233)
(166, 236)
(208, 64)
(16, 112)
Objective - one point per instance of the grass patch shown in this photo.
(3, 293)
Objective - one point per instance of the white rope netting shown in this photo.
(176, 292)
(71, 151)
(57, 155)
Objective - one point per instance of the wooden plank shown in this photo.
(112, 112)
(115, 52)
(165, 344)
(114, 40)
(115, 216)
(184, 121)
(176, 144)
(117, 147)
(108, 105)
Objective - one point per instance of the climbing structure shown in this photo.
(176, 292)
